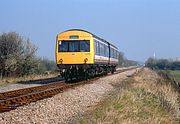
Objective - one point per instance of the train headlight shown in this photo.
(61, 61)
(85, 60)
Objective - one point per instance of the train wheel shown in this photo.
(106, 70)
(112, 70)
(86, 74)
(66, 75)
(93, 72)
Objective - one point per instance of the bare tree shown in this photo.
(17, 55)
(121, 58)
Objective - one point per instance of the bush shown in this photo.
(124, 62)
(162, 64)
(17, 55)
(46, 65)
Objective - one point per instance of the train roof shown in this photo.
(93, 36)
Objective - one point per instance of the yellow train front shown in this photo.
(81, 54)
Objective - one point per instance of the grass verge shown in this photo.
(12, 80)
(143, 98)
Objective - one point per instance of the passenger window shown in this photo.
(97, 47)
(107, 51)
(104, 50)
(114, 53)
(100, 45)
(111, 53)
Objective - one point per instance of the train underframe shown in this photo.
(85, 71)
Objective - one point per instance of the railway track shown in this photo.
(12, 99)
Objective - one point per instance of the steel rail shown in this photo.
(13, 99)
(12, 103)
(14, 93)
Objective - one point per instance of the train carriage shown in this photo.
(80, 53)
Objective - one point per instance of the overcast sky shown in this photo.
(137, 27)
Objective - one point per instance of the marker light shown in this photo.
(85, 60)
(61, 61)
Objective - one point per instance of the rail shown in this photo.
(12, 99)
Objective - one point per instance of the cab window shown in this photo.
(74, 46)
(84, 46)
(63, 46)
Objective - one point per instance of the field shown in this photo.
(175, 74)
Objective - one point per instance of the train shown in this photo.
(82, 54)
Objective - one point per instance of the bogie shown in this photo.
(85, 72)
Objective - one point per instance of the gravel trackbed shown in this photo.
(64, 107)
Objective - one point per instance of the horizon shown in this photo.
(138, 28)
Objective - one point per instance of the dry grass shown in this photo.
(167, 93)
(143, 98)
(12, 80)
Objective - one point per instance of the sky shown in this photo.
(139, 28)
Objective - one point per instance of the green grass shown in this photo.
(175, 74)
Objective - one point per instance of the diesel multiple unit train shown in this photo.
(82, 54)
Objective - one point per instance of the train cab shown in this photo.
(80, 53)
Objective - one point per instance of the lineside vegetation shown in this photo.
(18, 57)
(162, 64)
(147, 97)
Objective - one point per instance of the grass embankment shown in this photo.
(143, 98)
